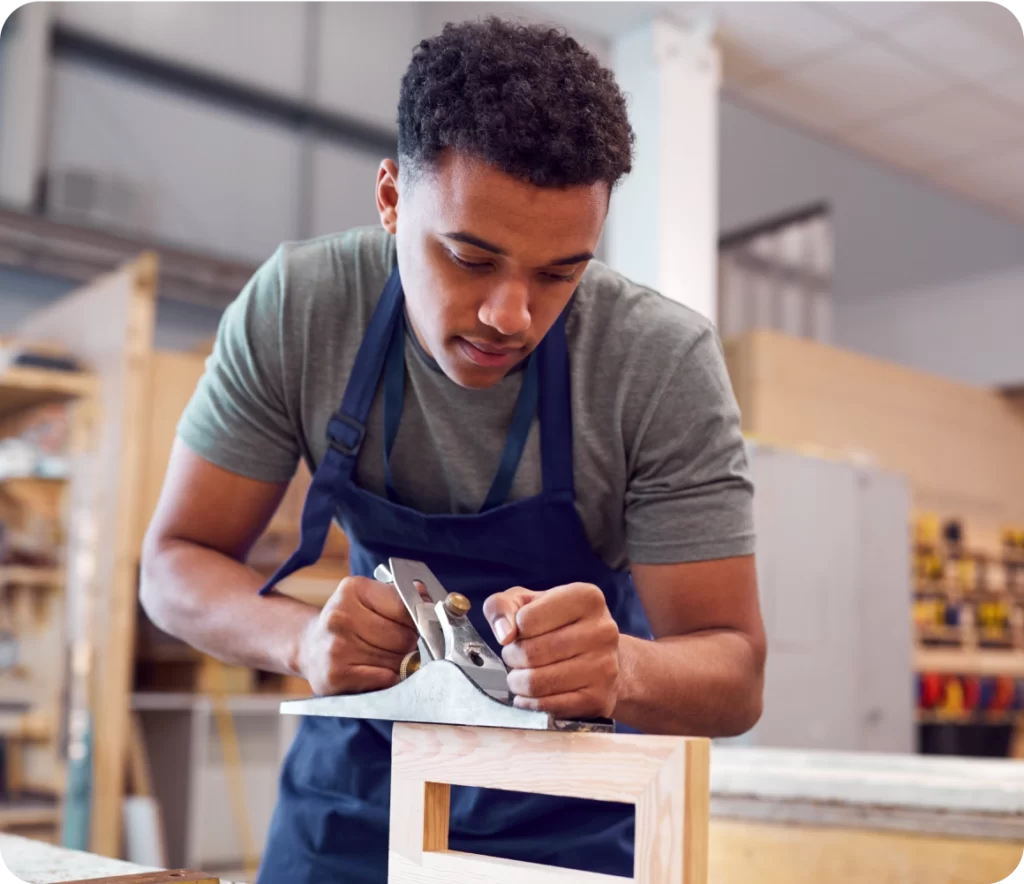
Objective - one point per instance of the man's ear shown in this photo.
(387, 195)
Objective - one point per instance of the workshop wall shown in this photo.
(215, 176)
(207, 177)
(227, 180)
(968, 330)
(904, 248)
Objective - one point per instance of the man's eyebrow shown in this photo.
(471, 240)
(572, 259)
(475, 241)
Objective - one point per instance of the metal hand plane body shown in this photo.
(453, 678)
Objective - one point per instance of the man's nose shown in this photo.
(507, 308)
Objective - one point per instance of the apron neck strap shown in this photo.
(555, 411)
(347, 427)
(515, 441)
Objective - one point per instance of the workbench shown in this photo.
(39, 863)
(797, 817)
(863, 818)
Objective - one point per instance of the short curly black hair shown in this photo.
(527, 99)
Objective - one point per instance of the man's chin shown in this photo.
(473, 378)
(466, 373)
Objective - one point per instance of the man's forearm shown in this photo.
(705, 684)
(210, 601)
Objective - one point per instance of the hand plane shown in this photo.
(452, 678)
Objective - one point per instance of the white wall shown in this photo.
(364, 49)
(893, 235)
(223, 180)
(23, 90)
(215, 180)
(345, 189)
(970, 330)
(892, 231)
(256, 43)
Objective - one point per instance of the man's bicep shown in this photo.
(241, 415)
(689, 496)
(208, 505)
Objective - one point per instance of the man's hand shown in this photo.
(562, 646)
(358, 640)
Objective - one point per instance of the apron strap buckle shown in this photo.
(345, 434)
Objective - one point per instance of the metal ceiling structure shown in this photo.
(38, 244)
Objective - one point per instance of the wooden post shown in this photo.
(666, 778)
(108, 325)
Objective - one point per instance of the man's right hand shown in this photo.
(358, 641)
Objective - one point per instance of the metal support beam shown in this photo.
(230, 94)
(40, 245)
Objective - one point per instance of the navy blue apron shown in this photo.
(330, 824)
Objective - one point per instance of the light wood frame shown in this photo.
(666, 778)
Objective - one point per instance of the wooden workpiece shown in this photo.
(777, 816)
(666, 778)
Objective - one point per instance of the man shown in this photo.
(557, 443)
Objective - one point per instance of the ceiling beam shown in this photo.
(41, 245)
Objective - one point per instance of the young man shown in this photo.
(557, 443)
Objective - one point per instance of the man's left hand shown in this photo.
(562, 647)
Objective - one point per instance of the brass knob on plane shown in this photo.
(457, 605)
(409, 665)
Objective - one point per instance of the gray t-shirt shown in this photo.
(660, 467)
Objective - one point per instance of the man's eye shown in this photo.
(556, 277)
(468, 264)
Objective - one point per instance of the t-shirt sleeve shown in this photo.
(689, 495)
(238, 417)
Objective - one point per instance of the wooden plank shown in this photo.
(742, 852)
(957, 445)
(666, 778)
(450, 866)
(29, 575)
(27, 813)
(138, 760)
(954, 661)
(696, 811)
(23, 387)
(171, 379)
(108, 326)
(601, 767)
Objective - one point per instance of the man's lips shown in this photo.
(490, 355)
(494, 349)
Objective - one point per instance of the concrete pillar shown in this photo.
(662, 230)
(24, 93)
